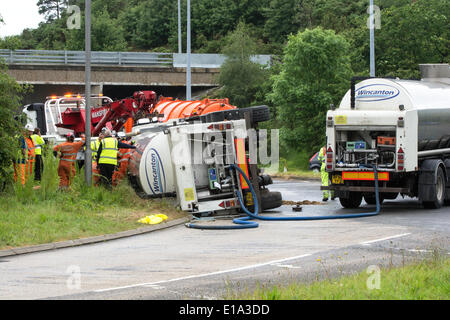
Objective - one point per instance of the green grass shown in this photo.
(294, 165)
(429, 279)
(30, 217)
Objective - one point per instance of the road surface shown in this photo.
(182, 263)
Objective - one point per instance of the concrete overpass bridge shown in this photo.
(115, 74)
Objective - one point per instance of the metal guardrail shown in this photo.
(54, 57)
(61, 57)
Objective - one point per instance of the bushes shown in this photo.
(10, 95)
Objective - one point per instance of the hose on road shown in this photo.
(246, 222)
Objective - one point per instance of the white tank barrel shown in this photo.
(429, 99)
(150, 168)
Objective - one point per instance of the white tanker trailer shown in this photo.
(402, 127)
(191, 160)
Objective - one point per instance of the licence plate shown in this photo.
(337, 179)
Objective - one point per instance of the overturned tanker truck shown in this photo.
(400, 126)
(189, 150)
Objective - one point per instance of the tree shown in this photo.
(156, 22)
(11, 43)
(52, 9)
(106, 33)
(281, 10)
(239, 76)
(410, 34)
(413, 34)
(315, 73)
(10, 95)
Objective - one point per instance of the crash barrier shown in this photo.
(161, 59)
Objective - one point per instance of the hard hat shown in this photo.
(106, 132)
(114, 133)
(121, 135)
(29, 127)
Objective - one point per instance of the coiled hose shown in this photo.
(245, 222)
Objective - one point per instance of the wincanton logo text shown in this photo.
(156, 176)
(376, 92)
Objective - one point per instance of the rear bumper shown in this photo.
(364, 189)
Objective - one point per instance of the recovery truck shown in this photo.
(170, 132)
(400, 126)
(61, 114)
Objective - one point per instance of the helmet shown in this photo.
(114, 133)
(29, 127)
(121, 135)
(106, 132)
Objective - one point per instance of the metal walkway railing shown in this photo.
(53, 57)
(61, 57)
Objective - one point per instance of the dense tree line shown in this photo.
(316, 46)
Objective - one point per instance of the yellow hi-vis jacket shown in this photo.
(321, 158)
(109, 151)
(38, 143)
(94, 147)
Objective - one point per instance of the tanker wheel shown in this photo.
(370, 199)
(438, 191)
(270, 199)
(258, 113)
(353, 201)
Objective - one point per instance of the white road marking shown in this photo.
(289, 266)
(419, 250)
(154, 286)
(205, 274)
(366, 243)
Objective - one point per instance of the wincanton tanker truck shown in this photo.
(400, 126)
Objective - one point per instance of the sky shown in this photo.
(18, 15)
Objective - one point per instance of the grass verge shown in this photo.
(429, 279)
(294, 165)
(31, 217)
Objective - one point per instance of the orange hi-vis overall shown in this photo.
(31, 156)
(23, 167)
(124, 157)
(66, 168)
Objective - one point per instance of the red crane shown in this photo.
(112, 115)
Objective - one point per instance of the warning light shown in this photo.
(68, 95)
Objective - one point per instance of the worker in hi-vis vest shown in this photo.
(95, 144)
(38, 144)
(123, 156)
(31, 151)
(324, 175)
(68, 156)
(107, 156)
(25, 153)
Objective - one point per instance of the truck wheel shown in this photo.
(257, 113)
(270, 199)
(370, 199)
(438, 191)
(353, 201)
